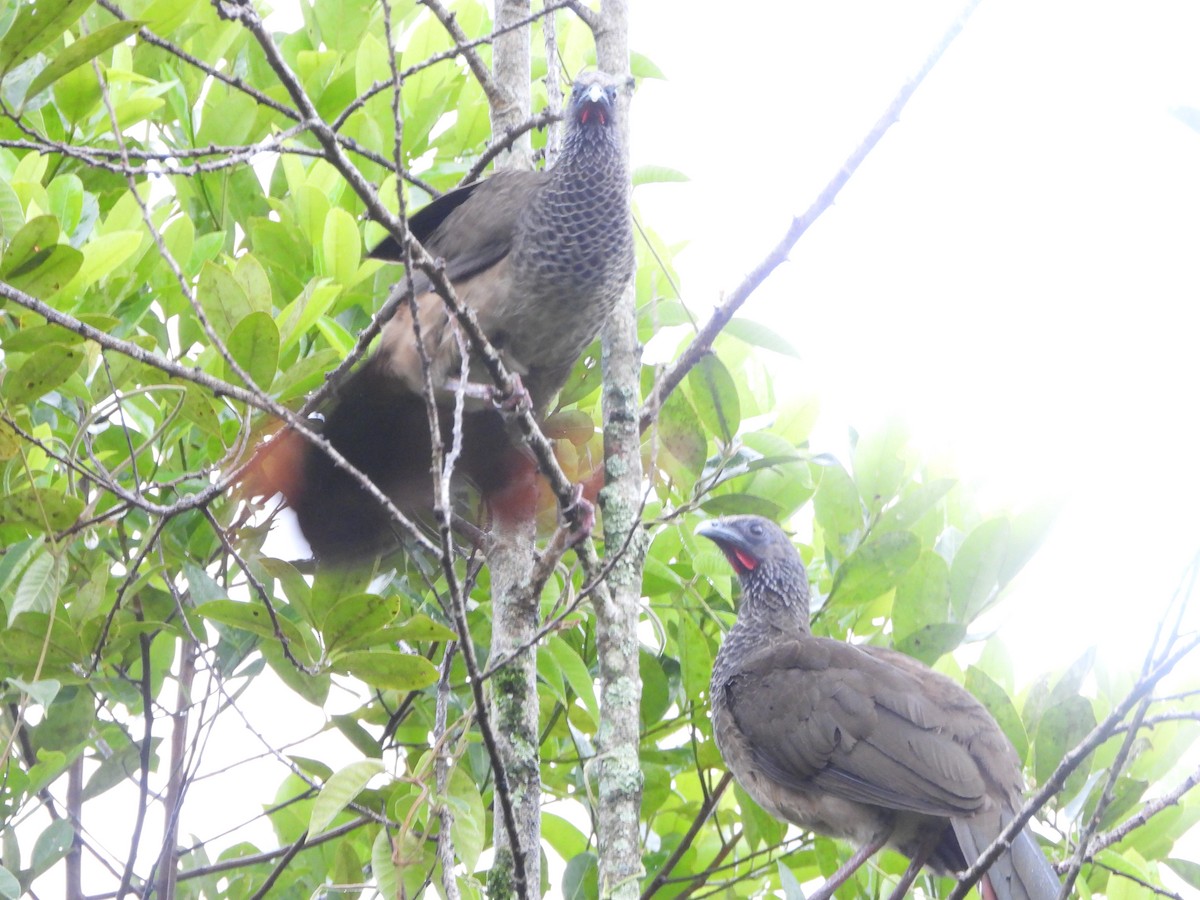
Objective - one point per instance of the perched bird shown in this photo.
(541, 257)
(860, 743)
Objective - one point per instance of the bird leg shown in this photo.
(581, 510)
(849, 867)
(915, 865)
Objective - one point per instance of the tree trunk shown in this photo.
(619, 774)
(514, 698)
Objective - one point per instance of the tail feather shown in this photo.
(382, 429)
(1022, 873)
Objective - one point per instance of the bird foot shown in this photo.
(517, 400)
(581, 514)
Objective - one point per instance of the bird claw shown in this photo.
(517, 400)
(580, 514)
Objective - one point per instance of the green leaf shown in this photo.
(680, 432)
(874, 568)
(43, 372)
(581, 878)
(469, 829)
(36, 25)
(715, 397)
(878, 467)
(922, 595)
(40, 586)
(251, 617)
(1000, 705)
(576, 673)
(342, 787)
(83, 50)
(1062, 727)
(388, 671)
(756, 334)
(254, 345)
(52, 845)
(976, 569)
(836, 505)
(930, 643)
(383, 865)
(695, 658)
(421, 628)
(909, 509)
(353, 620)
(43, 508)
(36, 236)
(657, 175)
(222, 298)
(103, 254)
(341, 246)
(9, 886)
(1186, 869)
(41, 692)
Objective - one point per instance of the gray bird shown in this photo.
(542, 258)
(859, 743)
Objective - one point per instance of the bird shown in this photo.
(541, 257)
(858, 742)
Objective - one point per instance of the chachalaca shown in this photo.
(859, 742)
(541, 257)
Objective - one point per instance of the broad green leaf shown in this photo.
(42, 372)
(566, 839)
(581, 878)
(41, 692)
(254, 345)
(657, 175)
(931, 642)
(36, 236)
(1062, 727)
(388, 671)
(757, 334)
(383, 864)
(715, 397)
(353, 620)
(83, 50)
(39, 587)
(874, 568)
(35, 27)
(878, 464)
(1186, 869)
(695, 658)
(102, 255)
(52, 845)
(251, 617)
(836, 505)
(680, 432)
(576, 673)
(422, 628)
(341, 246)
(9, 886)
(922, 595)
(909, 509)
(470, 818)
(976, 569)
(342, 787)
(222, 298)
(998, 703)
(42, 508)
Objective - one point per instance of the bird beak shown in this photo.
(732, 543)
(595, 94)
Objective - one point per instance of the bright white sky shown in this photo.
(1013, 272)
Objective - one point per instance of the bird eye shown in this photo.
(756, 529)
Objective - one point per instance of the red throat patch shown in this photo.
(744, 561)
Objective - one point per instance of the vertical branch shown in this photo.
(74, 873)
(510, 551)
(177, 775)
(619, 776)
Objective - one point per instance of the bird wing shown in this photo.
(826, 715)
(471, 227)
(472, 230)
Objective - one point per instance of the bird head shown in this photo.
(768, 565)
(594, 99)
